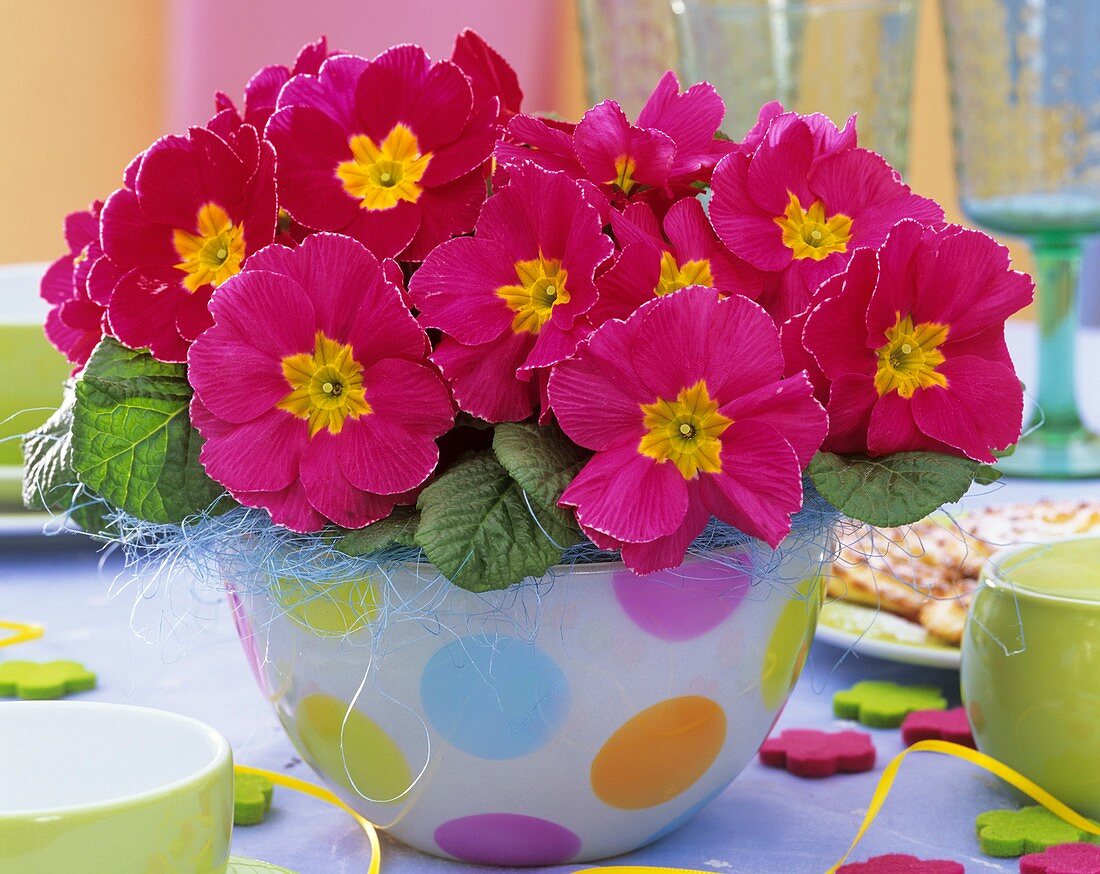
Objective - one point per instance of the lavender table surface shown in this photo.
(161, 646)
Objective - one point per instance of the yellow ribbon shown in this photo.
(998, 769)
(24, 632)
(882, 790)
(322, 794)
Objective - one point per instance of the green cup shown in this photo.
(1031, 666)
(109, 788)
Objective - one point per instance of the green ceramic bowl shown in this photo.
(1031, 666)
(109, 788)
(31, 372)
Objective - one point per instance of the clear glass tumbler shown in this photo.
(1025, 82)
(833, 56)
(628, 44)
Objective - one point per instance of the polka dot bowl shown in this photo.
(558, 721)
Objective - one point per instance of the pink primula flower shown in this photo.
(392, 151)
(687, 410)
(658, 160)
(827, 136)
(76, 323)
(659, 258)
(313, 391)
(911, 340)
(799, 204)
(511, 300)
(199, 207)
(262, 91)
(692, 120)
(489, 74)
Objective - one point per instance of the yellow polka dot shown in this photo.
(371, 763)
(790, 641)
(329, 610)
(659, 753)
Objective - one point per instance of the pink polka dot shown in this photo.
(685, 602)
(248, 639)
(507, 839)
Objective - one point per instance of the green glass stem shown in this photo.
(1058, 264)
(1058, 444)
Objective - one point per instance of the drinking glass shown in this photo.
(1025, 82)
(833, 56)
(628, 44)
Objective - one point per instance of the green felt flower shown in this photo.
(881, 704)
(42, 680)
(252, 794)
(1009, 833)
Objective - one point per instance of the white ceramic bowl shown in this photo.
(562, 721)
(106, 788)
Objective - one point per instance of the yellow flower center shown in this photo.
(676, 276)
(910, 356)
(327, 386)
(540, 288)
(213, 254)
(808, 234)
(382, 174)
(685, 431)
(624, 173)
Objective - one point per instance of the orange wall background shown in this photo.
(84, 93)
(93, 85)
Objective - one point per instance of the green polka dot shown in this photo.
(336, 610)
(790, 641)
(370, 763)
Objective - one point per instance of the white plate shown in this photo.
(881, 635)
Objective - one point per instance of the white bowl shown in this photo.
(558, 721)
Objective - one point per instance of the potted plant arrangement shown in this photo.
(516, 444)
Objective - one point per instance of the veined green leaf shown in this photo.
(132, 442)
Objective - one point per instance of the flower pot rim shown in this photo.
(567, 569)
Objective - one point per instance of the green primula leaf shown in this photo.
(49, 481)
(132, 442)
(986, 474)
(543, 461)
(397, 529)
(894, 489)
(476, 527)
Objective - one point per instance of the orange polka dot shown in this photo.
(659, 753)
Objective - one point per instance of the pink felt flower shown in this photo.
(1077, 858)
(911, 340)
(511, 300)
(803, 200)
(198, 208)
(313, 391)
(659, 258)
(901, 863)
(392, 151)
(75, 322)
(658, 159)
(686, 409)
(262, 91)
(489, 74)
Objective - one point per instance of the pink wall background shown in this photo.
(217, 45)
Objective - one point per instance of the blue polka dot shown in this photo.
(683, 818)
(494, 697)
